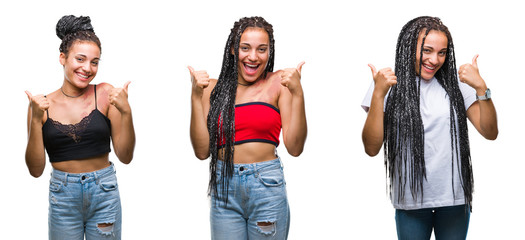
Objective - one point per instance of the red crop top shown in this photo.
(257, 122)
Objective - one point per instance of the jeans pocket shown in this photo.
(55, 186)
(108, 186)
(271, 178)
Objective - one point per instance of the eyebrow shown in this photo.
(83, 55)
(262, 45)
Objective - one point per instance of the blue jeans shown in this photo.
(257, 205)
(449, 223)
(79, 202)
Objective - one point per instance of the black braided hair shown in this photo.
(70, 29)
(221, 116)
(403, 131)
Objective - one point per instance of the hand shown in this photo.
(199, 80)
(118, 97)
(383, 79)
(39, 104)
(469, 74)
(291, 78)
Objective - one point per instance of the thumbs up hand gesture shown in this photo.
(383, 79)
(39, 104)
(291, 78)
(118, 97)
(469, 74)
(199, 80)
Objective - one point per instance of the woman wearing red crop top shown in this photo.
(75, 124)
(237, 120)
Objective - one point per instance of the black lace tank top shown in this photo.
(88, 138)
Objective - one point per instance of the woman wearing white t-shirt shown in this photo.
(419, 113)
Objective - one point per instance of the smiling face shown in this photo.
(434, 53)
(80, 64)
(254, 47)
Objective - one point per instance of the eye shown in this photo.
(244, 48)
(442, 53)
(94, 63)
(426, 50)
(262, 50)
(80, 59)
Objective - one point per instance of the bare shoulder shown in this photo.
(104, 86)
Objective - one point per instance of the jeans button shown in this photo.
(83, 177)
(241, 169)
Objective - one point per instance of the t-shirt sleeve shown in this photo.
(368, 98)
(469, 94)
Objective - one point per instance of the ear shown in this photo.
(232, 51)
(62, 58)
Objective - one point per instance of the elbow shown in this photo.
(371, 152)
(371, 149)
(35, 174)
(296, 151)
(490, 133)
(202, 156)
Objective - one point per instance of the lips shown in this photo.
(82, 76)
(251, 69)
(429, 68)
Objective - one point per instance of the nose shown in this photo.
(86, 67)
(252, 56)
(433, 59)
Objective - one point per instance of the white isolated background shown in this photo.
(335, 190)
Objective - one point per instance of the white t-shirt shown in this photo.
(438, 189)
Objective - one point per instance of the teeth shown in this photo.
(429, 67)
(82, 75)
(252, 66)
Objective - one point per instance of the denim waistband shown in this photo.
(66, 177)
(251, 168)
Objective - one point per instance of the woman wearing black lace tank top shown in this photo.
(75, 124)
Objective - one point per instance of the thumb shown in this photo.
(191, 70)
(126, 85)
(373, 68)
(29, 95)
(300, 66)
(475, 61)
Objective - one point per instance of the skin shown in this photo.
(80, 68)
(281, 89)
(482, 114)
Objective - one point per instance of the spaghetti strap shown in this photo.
(95, 90)
(47, 110)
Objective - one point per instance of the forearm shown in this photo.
(35, 152)
(373, 130)
(488, 119)
(125, 144)
(200, 138)
(297, 131)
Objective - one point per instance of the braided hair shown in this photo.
(221, 116)
(70, 29)
(404, 132)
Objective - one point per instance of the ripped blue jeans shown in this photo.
(257, 204)
(84, 204)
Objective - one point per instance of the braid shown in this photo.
(404, 131)
(70, 29)
(221, 116)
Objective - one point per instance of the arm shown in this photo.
(373, 130)
(35, 153)
(200, 105)
(293, 116)
(122, 130)
(482, 114)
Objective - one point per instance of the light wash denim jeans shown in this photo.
(78, 202)
(257, 194)
(449, 223)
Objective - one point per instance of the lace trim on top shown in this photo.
(74, 130)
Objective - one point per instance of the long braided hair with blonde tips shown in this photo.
(404, 133)
(221, 116)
